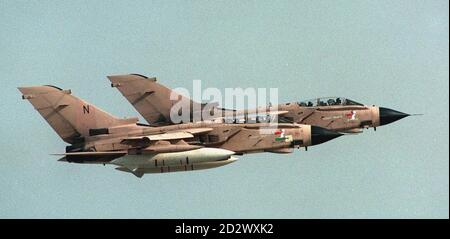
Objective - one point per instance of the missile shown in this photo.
(196, 159)
(139, 172)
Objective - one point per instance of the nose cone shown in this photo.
(388, 116)
(321, 135)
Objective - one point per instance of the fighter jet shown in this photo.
(152, 101)
(97, 137)
(339, 114)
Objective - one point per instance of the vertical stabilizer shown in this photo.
(71, 117)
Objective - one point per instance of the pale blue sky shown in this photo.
(389, 53)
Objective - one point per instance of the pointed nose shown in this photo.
(321, 135)
(388, 116)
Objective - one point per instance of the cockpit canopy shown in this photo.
(328, 101)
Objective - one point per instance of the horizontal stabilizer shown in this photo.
(91, 157)
(93, 153)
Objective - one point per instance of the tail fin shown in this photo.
(150, 99)
(72, 118)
